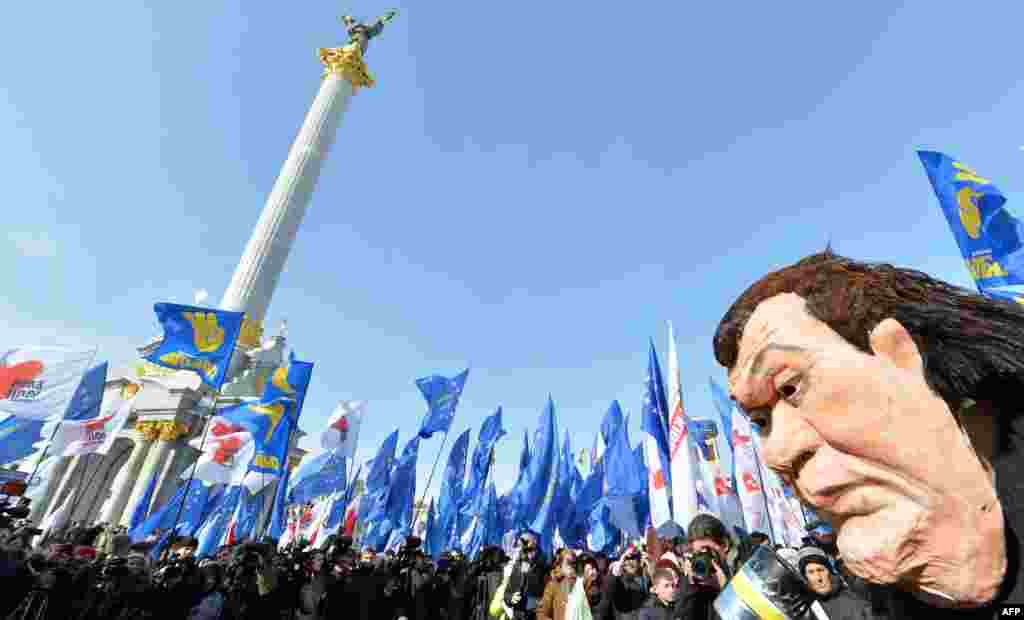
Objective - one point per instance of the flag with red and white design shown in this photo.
(342, 432)
(681, 452)
(36, 383)
(748, 475)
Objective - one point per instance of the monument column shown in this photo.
(257, 273)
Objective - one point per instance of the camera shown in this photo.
(702, 566)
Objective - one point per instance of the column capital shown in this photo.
(164, 430)
(347, 63)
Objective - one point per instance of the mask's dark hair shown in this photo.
(972, 346)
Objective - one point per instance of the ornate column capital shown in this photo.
(164, 430)
(347, 62)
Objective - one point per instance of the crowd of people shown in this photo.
(98, 573)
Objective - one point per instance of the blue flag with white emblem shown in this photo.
(450, 499)
(198, 339)
(991, 240)
(490, 432)
(442, 396)
(402, 491)
(539, 498)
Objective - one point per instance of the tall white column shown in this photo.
(256, 276)
(152, 466)
(124, 483)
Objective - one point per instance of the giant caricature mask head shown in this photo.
(853, 373)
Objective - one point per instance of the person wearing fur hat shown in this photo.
(838, 602)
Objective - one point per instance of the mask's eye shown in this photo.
(788, 384)
(760, 418)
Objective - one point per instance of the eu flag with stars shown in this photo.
(17, 436)
(197, 339)
(322, 475)
(442, 396)
(88, 397)
(991, 240)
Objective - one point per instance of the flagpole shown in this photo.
(764, 493)
(281, 477)
(195, 465)
(430, 478)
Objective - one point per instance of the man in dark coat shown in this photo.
(624, 595)
(838, 602)
(526, 583)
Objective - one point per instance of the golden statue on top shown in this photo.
(347, 61)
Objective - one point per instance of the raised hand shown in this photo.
(207, 335)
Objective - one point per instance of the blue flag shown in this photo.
(624, 481)
(17, 435)
(490, 432)
(321, 476)
(991, 240)
(197, 339)
(194, 498)
(540, 497)
(88, 397)
(517, 515)
(434, 541)
(211, 532)
(243, 525)
(380, 467)
(567, 474)
(197, 505)
(602, 535)
(610, 423)
(142, 508)
(643, 504)
(402, 494)
(279, 512)
(450, 498)
(481, 528)
(442, 396)
(654, 423)
(339, 506)
(289, 381)
(270, 426)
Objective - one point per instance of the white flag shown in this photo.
(683, 470)
(748, 475)
(342, 432)
(37, 382)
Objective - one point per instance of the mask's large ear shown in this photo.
(892, 341)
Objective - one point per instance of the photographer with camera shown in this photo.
(624, 594)
(527, 581)
(706, 567)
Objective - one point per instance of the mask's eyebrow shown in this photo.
(758, 362)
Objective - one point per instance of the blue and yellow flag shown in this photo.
(991, 240)
(197, 339)
(270, 425)
(289, 381)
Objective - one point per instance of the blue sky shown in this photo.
(531, 189)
